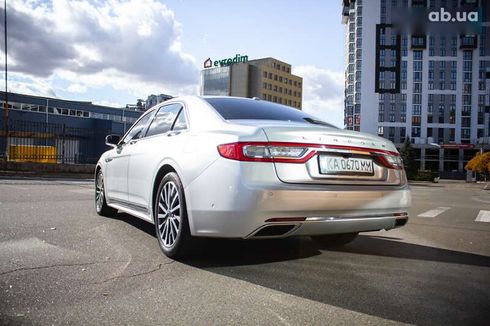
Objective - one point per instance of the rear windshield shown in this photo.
(248, 109)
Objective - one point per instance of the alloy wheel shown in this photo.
(169, 214)
(99, 192)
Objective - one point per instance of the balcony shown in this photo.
(418, 42)
(419, 3)
(469, 3)
(468, 42)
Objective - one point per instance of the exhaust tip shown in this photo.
(401, 222)
(274, 230)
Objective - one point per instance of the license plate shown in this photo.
(345, 166)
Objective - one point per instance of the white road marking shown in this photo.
(483, 216)
(434, 212)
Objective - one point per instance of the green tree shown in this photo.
(408, 155)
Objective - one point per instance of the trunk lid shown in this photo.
(338, 145)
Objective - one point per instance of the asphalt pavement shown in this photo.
(61, 263)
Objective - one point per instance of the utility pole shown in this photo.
(6, 111)
(124, 121)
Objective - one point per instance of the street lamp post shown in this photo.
(6, 110)
(46, 126)
(124, 120)
(436, 179)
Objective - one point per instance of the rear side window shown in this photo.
(164, 119)
(180, 122)
(248, 109)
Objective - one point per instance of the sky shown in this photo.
(114, 52)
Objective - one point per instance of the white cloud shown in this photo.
(323, 93)
(77, 88)
(133, 45)
(109, 103)
(27, 85)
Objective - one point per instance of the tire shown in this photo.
(170, 216)
(334, 240)
(100, 200)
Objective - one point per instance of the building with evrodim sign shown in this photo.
(268, 79)
(418, 68)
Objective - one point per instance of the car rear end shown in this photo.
(299, 179)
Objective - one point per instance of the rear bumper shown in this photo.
(329, 225)
(235, 199)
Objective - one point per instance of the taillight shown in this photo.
(265, 152)
(229, 151)
(390, 161)
(288, 152)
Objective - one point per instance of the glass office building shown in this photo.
(268, 79)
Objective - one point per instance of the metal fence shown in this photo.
(27, 141)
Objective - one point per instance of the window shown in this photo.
(416, 132)
(164, 119)
(241, 108)
(181, 122)
(136, 131)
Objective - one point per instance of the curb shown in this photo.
(40, 175)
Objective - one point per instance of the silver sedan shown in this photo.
(249, 169)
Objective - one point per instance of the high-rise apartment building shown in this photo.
(267, 78)
(419, 68)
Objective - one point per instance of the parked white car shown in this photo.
(246, 168)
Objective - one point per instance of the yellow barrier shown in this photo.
(32, 153)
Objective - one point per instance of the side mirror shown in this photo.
(112, 140)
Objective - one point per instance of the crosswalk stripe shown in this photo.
(434, 212)
(483, 216)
